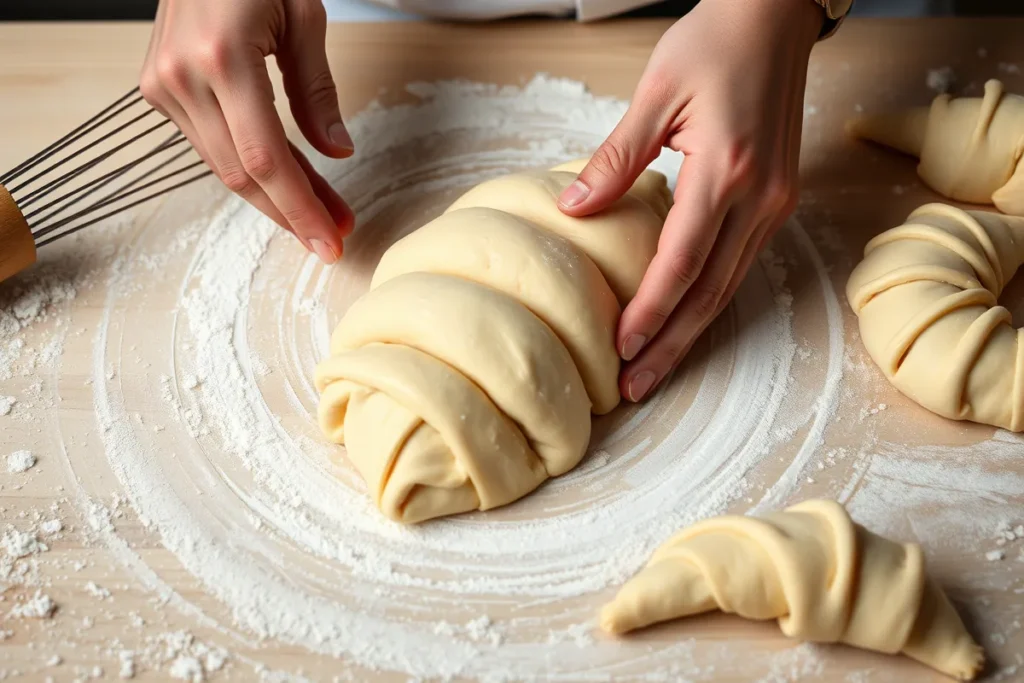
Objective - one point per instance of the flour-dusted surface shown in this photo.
(188, 355)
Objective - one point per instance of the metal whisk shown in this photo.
(123, 156)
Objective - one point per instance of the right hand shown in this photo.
(206, 71)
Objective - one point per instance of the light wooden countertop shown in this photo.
(54, 76)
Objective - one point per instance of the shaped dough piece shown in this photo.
(543, 271)
(466, 375)
(621, 240)
(925, 295)
(970, 148)
(823, 577)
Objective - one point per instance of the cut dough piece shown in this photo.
(970, 148)
(545, 272)
(823, 577)
(621, 240)
(467, 374)
(926, 297)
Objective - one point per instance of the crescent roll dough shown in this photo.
(823, 577)
(926, 295)
(970, 148)
(467, 374)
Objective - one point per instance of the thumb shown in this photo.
(311, 91)
(617, 163)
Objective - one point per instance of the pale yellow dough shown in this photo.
(822, 576)
(926, 295)
(970, 148)
(467, 374)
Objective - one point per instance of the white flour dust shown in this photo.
(200, 372)
(520, 581)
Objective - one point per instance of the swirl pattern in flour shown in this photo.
(465, 377)
(238, 483)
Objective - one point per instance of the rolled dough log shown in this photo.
(970, 148)
(467, 374)
(823, 577)
(926, 295)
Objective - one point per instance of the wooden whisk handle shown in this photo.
(17, 247)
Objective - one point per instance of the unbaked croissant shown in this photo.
(970, 148)
(926, 296)
(466, 376)
(823, 577)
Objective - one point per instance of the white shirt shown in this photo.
(478, 10)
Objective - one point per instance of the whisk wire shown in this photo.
(87, 165)
(118, 196)
(70, 138)
(112, 162)
(102, 181)
(118, 210)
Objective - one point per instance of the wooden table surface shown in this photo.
(53, 76)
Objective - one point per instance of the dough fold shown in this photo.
(926, 298)
(970, 148)
(810, 567)
(467, 374)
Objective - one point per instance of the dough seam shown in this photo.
(920, 272)
(969, 349)
(920, 232)
(977, 230)
(899, 346)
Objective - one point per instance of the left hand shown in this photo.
(725, 86)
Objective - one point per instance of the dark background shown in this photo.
(106, 10)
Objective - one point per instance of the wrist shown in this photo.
(802, 19)
(799, 20)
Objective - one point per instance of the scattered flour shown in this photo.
(6, 404)
(20, 461)
(18, 544)
(97, 591)
(941, 80)
(39, 606)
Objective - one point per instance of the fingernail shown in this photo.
(340, 136)
(324, 251)
(574, 194)
(640, 385)
(633, 345)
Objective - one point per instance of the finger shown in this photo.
(698, 308)
(207, 122)
(690, 231)
(618, 162)
(336, 206)
(755, 246)
(259, 138)
(308, 82)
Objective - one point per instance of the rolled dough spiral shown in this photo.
(467, 374)
(970, 147)
(926, 295)
(823, 577)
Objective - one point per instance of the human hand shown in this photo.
(206, 70)
(725, 86)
